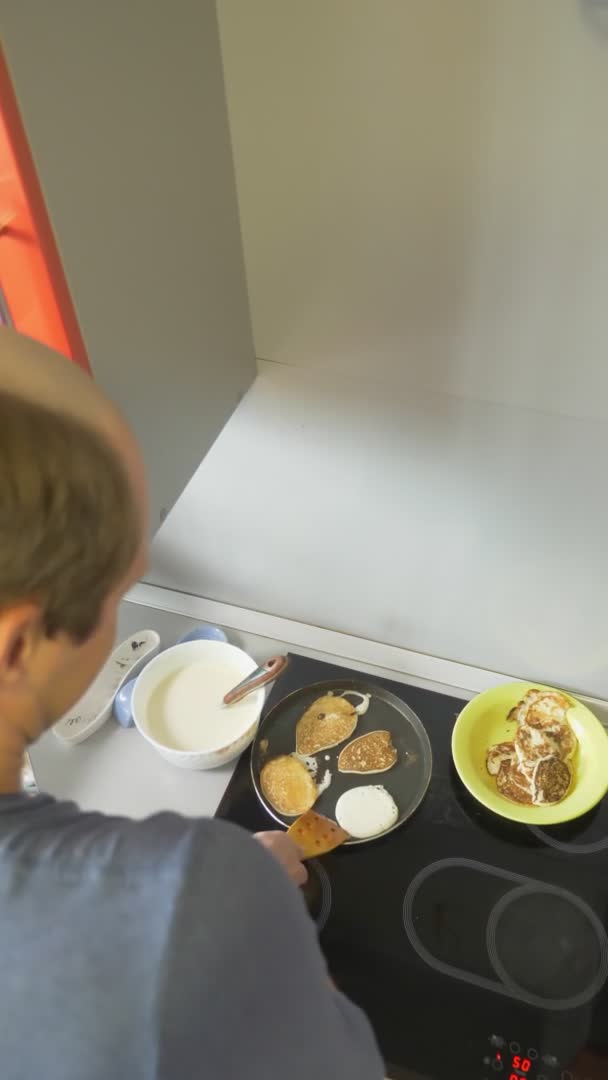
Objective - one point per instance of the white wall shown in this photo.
(469, 531)
(422, 186)
(125, 109)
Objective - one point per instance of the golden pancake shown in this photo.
(329, 721)
(548, 713)
(531, 745)
(371, 753)
(503, 751)
(550, 719)
(288, 785)
(520, 710)
(513, 783)
(566, 740)
(543, 729)
(316, 835)
(552, 778)
(540, 707)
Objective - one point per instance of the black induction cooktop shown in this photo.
(477, 947)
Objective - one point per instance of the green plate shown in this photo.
(484, 722)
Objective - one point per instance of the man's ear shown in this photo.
(21, 628)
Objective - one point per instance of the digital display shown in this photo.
(520, 1067)
(512, 1060)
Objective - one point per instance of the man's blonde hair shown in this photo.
(69, 528)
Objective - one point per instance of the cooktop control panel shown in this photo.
(507, 1058)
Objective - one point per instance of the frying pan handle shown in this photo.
(266, 673)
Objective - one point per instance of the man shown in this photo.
(166, 948)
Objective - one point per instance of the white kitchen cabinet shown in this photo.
(125, 112)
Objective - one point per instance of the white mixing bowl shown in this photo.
(225, 730)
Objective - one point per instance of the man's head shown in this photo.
(72, 527)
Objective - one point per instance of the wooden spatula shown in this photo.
(316, 835)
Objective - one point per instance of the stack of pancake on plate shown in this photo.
(535, 768)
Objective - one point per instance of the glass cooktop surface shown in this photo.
(477, 947)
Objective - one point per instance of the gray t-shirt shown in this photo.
(166, 949)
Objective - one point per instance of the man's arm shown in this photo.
(247, 993)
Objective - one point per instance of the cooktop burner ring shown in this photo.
(539, 959)
(571, 848)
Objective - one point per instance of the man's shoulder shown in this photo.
(169, 844)
(167, 837)
(45, 832)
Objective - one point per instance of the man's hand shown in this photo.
(286, 852)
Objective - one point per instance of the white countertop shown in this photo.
(118, 772)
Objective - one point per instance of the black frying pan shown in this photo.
(408, 779)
